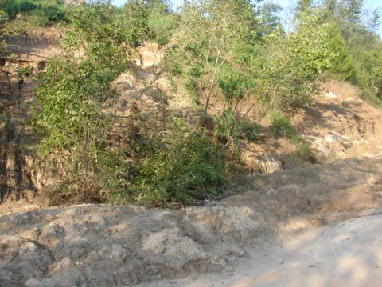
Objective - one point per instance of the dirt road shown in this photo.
(348, 254)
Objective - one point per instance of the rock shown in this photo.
(149, 55)
(219, 221)
(171, 248)
(33, 282)
(24, 259)
(330, 145)
(114, 251)
(28, 194)
(139, 98)
(329, 138)
(133, 78)
(52, 233)
(267, 165)
(65, 263)
(73, 2)
(331, 95)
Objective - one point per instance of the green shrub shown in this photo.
(26, 71)
(281, 126)
(304, 151)
(161, 21)
(3, 31)
(15, 7)
(182, 166)
(210, 50)
(163, 24)
(320, 45)
(226, 123)
(75, 131)
(368, 65)
(55, 13)
(232, 127)
(290, 65)
(247, 130)
(282, 82)
(233, 83)
(38, 18)
(134, 17)
(39, 12)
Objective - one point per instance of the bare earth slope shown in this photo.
(280, 229)
(346, 254)
(100, 245)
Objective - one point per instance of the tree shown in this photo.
(3, 19)
(161, 21)
(291, 64)
(213, 45)
(269, 18)
(71, 91)
(374, 20)
(359, 31)
(330, 6)
(350, 11)
(303, 5)
(3, 22)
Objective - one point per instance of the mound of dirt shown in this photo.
(118, 245)
(344, 255)
(102, 245)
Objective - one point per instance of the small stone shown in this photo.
(32, 282)
(222, 262)
(331, 95)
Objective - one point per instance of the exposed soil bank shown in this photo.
(347, 254)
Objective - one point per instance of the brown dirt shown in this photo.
(103, 245)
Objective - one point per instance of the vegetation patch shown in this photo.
(181, 166)
(222, 53)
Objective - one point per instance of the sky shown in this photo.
(288, 6)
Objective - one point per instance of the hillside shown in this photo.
(103, 245)
(137, 150)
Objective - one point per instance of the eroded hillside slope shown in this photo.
(103, 245)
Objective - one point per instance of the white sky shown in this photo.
(288, 6)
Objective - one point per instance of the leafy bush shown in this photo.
(283, 83)
(281, 126)
(73, 128)
(26, 71)
(367, 58)
(182, 166)
(40, 13)
(304, 151)
(107, 35)
(55, 13)
(320, 45)
(247, 130)
(134, 17)
(233, 127)
(3, 32)
(161, 22)
(75, 131)
(233, 83)
(290, 65)
(15, 7)
(210, 49)
(38, 18)
(178, 166)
